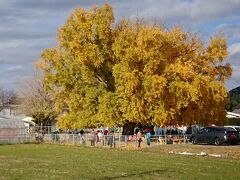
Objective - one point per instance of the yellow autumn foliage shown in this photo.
(104, 73)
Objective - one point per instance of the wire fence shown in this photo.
(13, 135)
(114, 140)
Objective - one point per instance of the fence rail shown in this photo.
(49, 134)
(114, 140)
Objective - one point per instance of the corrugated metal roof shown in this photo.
(11, 123)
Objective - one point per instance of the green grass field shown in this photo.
(42, 161)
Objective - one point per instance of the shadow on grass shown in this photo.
(3, 143)
(157, 171)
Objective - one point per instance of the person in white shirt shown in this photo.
(139, 138)
(100, 136)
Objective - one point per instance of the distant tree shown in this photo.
(132, 71)
(233, 121)
(36, 102)
(7, 97)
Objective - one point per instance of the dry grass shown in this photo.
(226, 151)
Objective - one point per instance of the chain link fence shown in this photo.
(113, 140)
(48, 134)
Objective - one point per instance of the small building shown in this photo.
(12, 126)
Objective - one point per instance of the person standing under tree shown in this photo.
(139, 138)
(148, 136)
(82, 137)
(92, 137)
(100, 137)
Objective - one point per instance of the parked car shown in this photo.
(236, 128)
(215, 135)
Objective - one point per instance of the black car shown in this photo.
(215, 135)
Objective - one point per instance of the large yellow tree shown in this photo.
(105, 73)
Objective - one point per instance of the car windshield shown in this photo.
(230, 129)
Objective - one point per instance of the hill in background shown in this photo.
(234, 99)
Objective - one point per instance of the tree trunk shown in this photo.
(128, 128)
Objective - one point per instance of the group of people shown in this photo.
(173, 132)
(168, 131)
(140, 136)
(98, 137)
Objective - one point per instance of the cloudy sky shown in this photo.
(29, 26)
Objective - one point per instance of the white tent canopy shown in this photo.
(29, 121)
(232, 115)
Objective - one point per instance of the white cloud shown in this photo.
(234, 60)
(234, 49)
(230, 30)
(15, 68)
(28, 26)
(178, 11)
(234, 81)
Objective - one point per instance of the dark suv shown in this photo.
(215, 135)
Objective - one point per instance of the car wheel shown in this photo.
(217, 141)
(194, 140)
